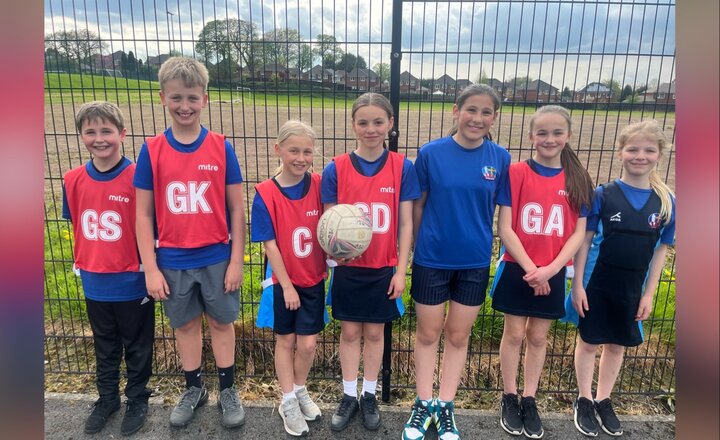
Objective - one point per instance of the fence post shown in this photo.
(393, 146)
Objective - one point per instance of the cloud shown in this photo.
(629, 42)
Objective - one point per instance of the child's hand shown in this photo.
(397, 285)
(644, 308)
(292, 299)
(345, 260)
(233, 277)
(156, 285)
(538, 276)
(541, 289)
(579, 300)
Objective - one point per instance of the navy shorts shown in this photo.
(309, 319)
(194, 291)
(436, 286)
(359, 294)
(511, 294)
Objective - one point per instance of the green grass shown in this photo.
(70, 88)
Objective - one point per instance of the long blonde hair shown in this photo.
(293, 127)
(652, 131)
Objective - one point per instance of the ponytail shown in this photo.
(578, 183)
(663, 191)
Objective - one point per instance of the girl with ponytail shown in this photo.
(541, 229)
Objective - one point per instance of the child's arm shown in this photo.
(405, 236)
(579, 297)
(236, 206)
(292, 299)
(417, 211)
(542, 274)
(514, 247)
(656, 266)
(155, 282)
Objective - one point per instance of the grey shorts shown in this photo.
(194, 291)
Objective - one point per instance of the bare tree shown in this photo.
(77, 45)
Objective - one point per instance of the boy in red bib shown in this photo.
(99, 199)
(189, 186)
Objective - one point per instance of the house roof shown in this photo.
(445, 79)
(495, 83)
(274, 67)
(318, 70)
(407, 76)
(356, 73)
(537, 84)
(667, 87)
(595, 87)
(462, 83)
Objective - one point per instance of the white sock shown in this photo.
(297, 388)
(287, 396)
(350, 387)
(369, 386)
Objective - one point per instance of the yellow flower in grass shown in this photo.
(66, 234)
(246, 258)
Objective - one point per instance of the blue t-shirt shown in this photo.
(110, 287)
(463, 186)
(261, 227)
(184, 258)
(409, 187)
(637, 197)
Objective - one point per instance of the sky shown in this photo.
(563, 43)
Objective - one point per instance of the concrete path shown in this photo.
(65, 415)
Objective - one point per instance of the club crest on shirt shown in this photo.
(655, 221)
(489, 172)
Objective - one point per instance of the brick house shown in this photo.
(594, 92)
(363, 80)
(537, 90)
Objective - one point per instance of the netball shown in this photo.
(344, 231)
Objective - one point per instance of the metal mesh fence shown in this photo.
(610, 63)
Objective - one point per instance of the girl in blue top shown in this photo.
(462, 177)
(618, 267)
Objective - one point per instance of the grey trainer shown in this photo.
(233, 412)
(192, 399)
(309, 409)
(293, 418)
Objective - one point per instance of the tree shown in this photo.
(230, 39)
(383, 71)
(328, 50)
(77, 45)
(349, 62)
(566, 93)
(305, 58)
(626, 92)
(519, 82)
(281, 46)
(614, 87)
(482, 78)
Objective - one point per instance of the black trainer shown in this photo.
(135, 415)
(608, 420)
(584, 415)
(532, 425)
(510, 417)
(369, 411)
(344, 412)
(102, 410)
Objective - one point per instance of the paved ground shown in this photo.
(65, 415)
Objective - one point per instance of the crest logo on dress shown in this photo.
(655, 221)
(489, 172)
